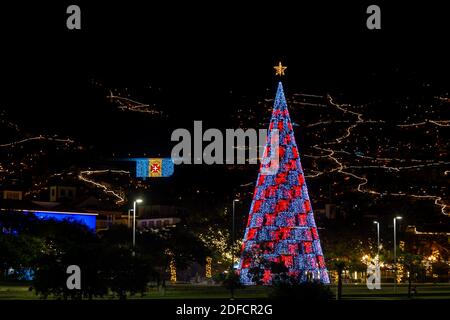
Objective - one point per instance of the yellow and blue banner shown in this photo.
(154, 167)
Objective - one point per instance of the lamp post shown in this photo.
(129, 218)
(395, 252)
(134, 221)
(378, 237)
(377, 260)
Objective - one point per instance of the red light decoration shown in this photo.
(281, 226)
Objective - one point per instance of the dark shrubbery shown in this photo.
(108, 261)
(310, 291)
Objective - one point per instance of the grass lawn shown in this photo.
(20, 291)
(424, 291)
(16, 291)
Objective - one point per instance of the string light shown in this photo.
(120, 197)
(208, 269)
(40, 137)
(173, 271)
(342, 167)
(127, 104)
(172, 266)
(437, 199)
(439, 123)
(321, 123)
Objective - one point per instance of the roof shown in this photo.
(41, 206)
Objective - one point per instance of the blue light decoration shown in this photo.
(88, 219)
(154, 167)
(281, 226)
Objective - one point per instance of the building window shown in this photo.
(12, 195)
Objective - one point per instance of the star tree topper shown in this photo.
(279, 69)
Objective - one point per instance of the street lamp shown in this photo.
(378, 237)
(232, 236)
(395, 252)
(134, 221)
(129, 218)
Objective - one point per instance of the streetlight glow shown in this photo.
(378, 239)
(134, 221)
(395, 252)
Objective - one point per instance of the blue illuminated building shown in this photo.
(88, 219)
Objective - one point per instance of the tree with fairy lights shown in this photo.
(281, 228)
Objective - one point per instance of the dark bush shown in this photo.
(310, 291)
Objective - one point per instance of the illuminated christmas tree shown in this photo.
(281, 229)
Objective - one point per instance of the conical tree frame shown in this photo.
(281, 230)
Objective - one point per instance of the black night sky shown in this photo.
(196, 54)
(207, 62)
